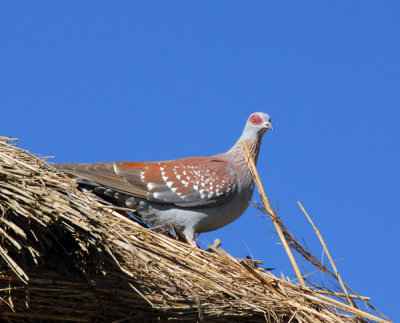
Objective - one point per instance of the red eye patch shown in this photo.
(255, 119)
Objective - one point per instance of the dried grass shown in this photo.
(68, 256)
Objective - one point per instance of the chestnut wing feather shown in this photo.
(188, 182)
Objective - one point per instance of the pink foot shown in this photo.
(193, 243)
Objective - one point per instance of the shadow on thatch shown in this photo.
(65, 255)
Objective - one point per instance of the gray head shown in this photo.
(256, 126)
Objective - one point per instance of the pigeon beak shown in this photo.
(268, 125)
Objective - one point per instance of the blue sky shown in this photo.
(106, 81)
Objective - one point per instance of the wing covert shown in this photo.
(189, 182)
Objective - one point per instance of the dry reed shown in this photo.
(65, 255)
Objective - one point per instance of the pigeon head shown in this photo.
(257, 124)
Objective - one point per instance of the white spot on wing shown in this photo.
(203, 194)
(115, 168)
(165, 178)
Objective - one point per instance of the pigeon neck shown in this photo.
(238, 151)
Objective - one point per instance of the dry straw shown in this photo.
(67, 256)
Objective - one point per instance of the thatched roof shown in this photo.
(66, 255)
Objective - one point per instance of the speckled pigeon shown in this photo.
(196, 194)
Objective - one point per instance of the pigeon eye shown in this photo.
(255, 119)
